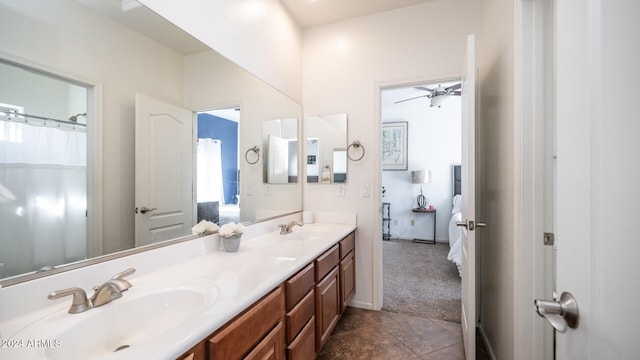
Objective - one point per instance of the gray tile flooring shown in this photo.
(368, 335)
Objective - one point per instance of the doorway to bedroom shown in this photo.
(421, 154)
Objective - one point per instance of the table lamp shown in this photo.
(421, 177)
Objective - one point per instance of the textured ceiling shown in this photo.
(310, 13)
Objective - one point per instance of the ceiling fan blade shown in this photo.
(453, 87)
(425, 89)
(413, 98)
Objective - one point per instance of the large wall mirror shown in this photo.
(327, 149)
(100, 56)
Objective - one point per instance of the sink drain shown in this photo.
(121, 347)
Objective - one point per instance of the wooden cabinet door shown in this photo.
(327, 294)
(304, 346)
(272, 347)
(347, 280)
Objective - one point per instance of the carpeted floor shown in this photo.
(419, 280)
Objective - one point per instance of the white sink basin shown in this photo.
(304, 234)
(143, 313)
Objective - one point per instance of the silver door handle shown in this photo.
(145, 210)
(470, 224)
(560, 314)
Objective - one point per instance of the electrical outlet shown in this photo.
(341, 190)
(395, 222)
(413, 222)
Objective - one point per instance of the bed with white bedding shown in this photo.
(455, 234)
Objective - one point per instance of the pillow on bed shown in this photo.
(457, 204)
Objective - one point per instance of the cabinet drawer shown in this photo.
(271, 347)
(347, 244)
(326, 262)
(304, 346)
(242, 334)
(300, 315)
(299, 285)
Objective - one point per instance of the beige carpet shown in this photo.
(419, 280)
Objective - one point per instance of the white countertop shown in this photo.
(241, 278)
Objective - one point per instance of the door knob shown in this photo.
(560, 314)
(470, 224)
(145, 210)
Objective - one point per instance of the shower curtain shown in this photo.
(44, 196)
(209, 171)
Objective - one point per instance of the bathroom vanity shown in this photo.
(295, 319)
(279, 296)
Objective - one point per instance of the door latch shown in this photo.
(549, 238)
(470, 224)
(145, 210)
(561, 314)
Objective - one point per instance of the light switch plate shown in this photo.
(364, 190)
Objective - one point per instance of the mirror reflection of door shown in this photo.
(278, 160)
(339, 165)
(280, 145)
(163, 149)
(43, 171)
(218, 195)
(313, 170)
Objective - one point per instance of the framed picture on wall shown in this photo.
(394, 145)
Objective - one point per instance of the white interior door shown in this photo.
(597, 177)
(469, 202)
(164, 171)
(278, 160)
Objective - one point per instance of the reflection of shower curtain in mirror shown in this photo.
(209, 171)
(43, 213)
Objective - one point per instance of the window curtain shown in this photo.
(43, 196)
(209, 172)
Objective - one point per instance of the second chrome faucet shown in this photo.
(286, 228)
(103, 294)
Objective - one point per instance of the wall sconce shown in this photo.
(421, 177)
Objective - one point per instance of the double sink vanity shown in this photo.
(279, 296)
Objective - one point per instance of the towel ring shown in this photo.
(256, 150)
(356, 145)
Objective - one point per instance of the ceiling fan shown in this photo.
(437, 95)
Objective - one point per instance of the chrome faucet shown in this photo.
(286, 228)
(103, 294)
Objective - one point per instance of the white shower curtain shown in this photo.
(209, 172)
(43, 207)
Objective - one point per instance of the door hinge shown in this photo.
(549, 239)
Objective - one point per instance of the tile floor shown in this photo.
(368, 335)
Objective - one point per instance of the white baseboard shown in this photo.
(486, 342)
(361, 305)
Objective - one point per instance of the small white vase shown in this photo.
(231, 243)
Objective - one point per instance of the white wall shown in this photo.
(260, 36)
(344, 63)
(434, 144)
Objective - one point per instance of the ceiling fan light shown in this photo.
(438, 101)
